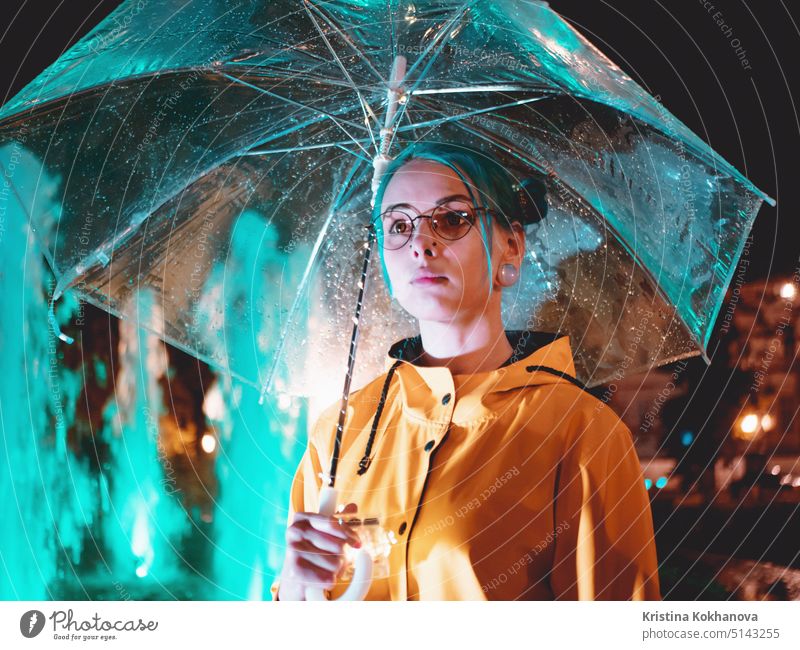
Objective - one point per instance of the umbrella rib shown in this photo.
(254, 151)
(314, 259)
(428, 49)
(441, 43)
(354, 153)
(302, 105)
(545, 91)
(456, 90)
(393, 43)
(462, 116)
(308, 147)
(365, 107)
(285, 73)
(287, 99)
(347, 40)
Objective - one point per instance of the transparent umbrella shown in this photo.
(175, 129)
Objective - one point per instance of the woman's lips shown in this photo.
(430, 280)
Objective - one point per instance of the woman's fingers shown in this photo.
(323, 541)
(308, 551)
(332, 526)
(327, 525)
(312, 575)
(326, 533)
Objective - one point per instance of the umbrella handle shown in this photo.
(362, 564)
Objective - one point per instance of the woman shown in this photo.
(498, 475)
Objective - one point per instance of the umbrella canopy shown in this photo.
(177, 132)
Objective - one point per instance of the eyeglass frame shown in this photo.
(372, 225)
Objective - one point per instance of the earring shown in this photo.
(508, 275)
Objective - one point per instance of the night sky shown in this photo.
(745, 109)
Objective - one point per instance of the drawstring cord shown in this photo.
(365, 461)
(559, 373)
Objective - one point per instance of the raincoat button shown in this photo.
(446, 398)
(429, 445)
(402, 528)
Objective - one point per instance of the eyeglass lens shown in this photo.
(450, 221)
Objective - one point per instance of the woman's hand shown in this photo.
(314, 552)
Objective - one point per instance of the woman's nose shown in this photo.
(423, 239)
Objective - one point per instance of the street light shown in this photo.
(788, 290)
(749, 426)
(752, 425)
(208, 443)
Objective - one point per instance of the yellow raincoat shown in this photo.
(512, 484)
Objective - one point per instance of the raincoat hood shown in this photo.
(515, 483)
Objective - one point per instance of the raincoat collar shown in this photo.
(538, 358)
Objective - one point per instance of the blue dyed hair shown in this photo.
(488, 184)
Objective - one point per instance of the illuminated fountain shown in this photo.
(47, 495)
(144, 521)
(259, 444)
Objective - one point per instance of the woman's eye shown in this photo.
(454, 218)
(398, 227)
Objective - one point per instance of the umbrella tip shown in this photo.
(51, 317)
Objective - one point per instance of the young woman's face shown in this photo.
(463, 285)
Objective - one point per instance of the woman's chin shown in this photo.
(426, 310)
(429, 308)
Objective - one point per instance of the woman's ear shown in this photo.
(514, 245)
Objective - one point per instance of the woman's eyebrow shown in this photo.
(439, 202)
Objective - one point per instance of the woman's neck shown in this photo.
(479, 345)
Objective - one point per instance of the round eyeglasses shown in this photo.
(450, 222)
